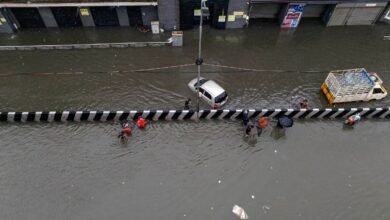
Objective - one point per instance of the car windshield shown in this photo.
(201, 82)
(221, 97)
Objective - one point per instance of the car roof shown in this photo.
(213, 88)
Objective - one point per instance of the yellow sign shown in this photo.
(231, 18)
(222, 18)
(84, 12)
(3, 20)
(238, 13)
(197, 12)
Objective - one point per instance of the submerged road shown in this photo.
(189, 170)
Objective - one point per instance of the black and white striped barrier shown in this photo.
(314, 113)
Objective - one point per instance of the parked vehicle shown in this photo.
(353, 85)
(209, 91)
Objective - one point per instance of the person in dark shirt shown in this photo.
(187, 104)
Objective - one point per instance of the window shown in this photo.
(221, 97)
(207, 95)
(377, 91)
(201, 82)
(201, 90)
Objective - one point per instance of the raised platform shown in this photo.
(327, 113)
(85, 46)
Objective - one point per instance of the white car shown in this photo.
(209, 91)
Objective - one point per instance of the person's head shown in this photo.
(189, 100)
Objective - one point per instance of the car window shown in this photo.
(220, 98)
(207, 95)
(201, 90)
(201, 82)
(377, 91)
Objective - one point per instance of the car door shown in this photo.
(201, 91)
(208, 98)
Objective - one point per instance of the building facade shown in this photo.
(184, 14)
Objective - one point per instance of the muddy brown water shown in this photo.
(189, 170)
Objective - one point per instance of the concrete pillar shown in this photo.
(48, 17)
(238, 9)
(169, 14)
(123, 17)
(291, 15)
(86, 17)
(149, 14)
(5, 23)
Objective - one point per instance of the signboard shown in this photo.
(231, 18)
(238, 13)
(197, 12)
(155, 27)
(293, 15)
(3, 20)
(84, 12)
(222, 18)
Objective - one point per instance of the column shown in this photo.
(168, 14)
(237, 14)
(291, 15)
(7, 22)
(48, 17)
(86, 17)
(123, 17)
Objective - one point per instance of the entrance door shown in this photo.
(28, 17)
(104, 16)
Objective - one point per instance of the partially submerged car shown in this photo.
(353, 85)
(209, 91)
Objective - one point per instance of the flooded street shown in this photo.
(184, 169)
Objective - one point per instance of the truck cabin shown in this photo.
(378, 90)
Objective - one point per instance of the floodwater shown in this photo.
(191, 170)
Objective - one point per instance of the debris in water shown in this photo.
(253, 196)
(266, 208)
(123, 183)
(275, 151)
(219, 181)
(211, 208)
(240, 212)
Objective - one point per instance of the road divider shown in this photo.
(314, 113)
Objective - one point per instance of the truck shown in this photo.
(352, 85)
